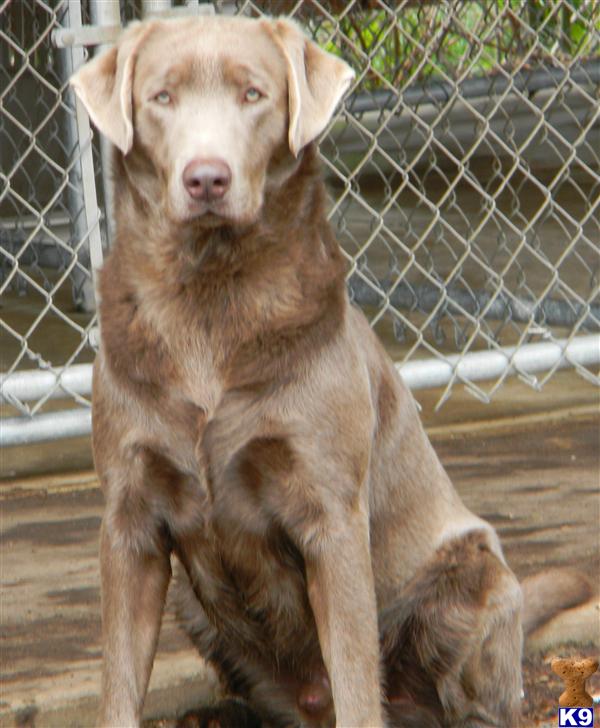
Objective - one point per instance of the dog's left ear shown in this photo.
(316, 82)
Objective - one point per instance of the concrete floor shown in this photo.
(530, 464)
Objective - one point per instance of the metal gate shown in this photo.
(464, 170)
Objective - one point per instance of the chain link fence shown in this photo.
(464, 171)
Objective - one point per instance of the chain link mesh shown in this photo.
(45, 285)
(464, 171)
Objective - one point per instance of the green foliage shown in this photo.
(435, 40)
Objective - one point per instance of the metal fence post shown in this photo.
(83, 201)
(106, 13)
(150, 7)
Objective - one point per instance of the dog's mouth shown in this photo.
(206, 216)
(217, 214)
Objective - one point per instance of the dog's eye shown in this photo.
(163, 97)
(252, 95)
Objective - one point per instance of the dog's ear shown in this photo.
(105, 87)
(316, 82)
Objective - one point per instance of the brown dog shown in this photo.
(247, 419)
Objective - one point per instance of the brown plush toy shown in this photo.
(574, 673)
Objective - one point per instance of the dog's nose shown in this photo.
(207, 179)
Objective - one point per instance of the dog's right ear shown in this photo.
(105, 87)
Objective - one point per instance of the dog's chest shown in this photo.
(210, 470)
(247, 573)
(164, 359)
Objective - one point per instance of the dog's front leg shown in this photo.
(134, 587)
(342, 596)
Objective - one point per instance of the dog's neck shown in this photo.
(285, 269)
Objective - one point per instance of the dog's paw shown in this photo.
(226, 714)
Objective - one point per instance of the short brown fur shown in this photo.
(247, 419)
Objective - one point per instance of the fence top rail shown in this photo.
(32, 384)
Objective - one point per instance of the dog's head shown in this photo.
(211, 103)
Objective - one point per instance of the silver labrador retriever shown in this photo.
(247, 419)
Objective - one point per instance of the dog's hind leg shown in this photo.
(452, 643)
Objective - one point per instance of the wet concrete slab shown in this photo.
(534, 476)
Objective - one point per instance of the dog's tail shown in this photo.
(551, 591)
